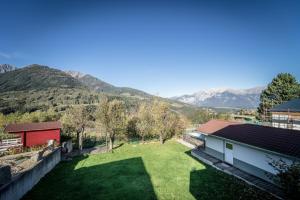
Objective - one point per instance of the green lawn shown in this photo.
(140, 171)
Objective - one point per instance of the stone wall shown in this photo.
(25, 181)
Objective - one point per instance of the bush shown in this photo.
(92, 141)
(4, 136)
(288, 177)
(64, 138)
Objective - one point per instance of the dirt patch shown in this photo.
(24, 161)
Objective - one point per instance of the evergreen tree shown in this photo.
(283, 87)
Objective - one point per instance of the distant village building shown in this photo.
(286, 115)
(33, 134)
(249, 147)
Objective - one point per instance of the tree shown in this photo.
(132, 130)
(111, 116)
(117, 122)
(2, 123)
(102, 118)
(180, 124)
(160, 112)
(175, 124)
(283, 87)
(76, 119)
(145, 121)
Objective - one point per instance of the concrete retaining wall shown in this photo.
(67, 146)
(25, 181)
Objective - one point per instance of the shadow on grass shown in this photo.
(209, 183)
(124, 179)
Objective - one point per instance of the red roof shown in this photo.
(284, 141)
(215, 125)
(14, 128)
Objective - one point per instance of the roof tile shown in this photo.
(285, 141)
(14, 128)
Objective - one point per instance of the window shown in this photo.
(280, 117)
(296, 127)
(281, 125)
(229, 146)
(275, 124)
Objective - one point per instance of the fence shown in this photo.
(7, 143)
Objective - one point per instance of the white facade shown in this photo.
(296, 126)
(247, 154)
(257, 158)
(280, 117)
(215, 143)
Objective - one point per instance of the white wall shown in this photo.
(256, 157)
(214, 143)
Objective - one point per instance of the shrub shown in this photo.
(288, 177)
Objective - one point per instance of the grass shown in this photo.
(141, 171)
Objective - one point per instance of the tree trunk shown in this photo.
(143, 139)
(79, 139)
(161, 139)
(106, 142)
(111, 143)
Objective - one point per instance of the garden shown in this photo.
(141, 171)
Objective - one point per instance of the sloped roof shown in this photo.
(214, 125)
(14, 128)
(289, 106)
(284, 141)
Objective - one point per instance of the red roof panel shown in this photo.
(14, 128)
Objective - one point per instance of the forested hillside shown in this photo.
(38, 87)
(98, 85)
(37, 77)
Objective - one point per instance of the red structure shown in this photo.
(33, 134)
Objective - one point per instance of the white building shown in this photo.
(250, 147)
(286, 115)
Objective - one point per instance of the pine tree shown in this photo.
(283, 87)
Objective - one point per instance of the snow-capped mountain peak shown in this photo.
(224, 97)
(6, 68)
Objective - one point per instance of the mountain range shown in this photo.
(36, 77)
(38, 87)
(98, 85)
(14, 81)
(6, 68)
(224, 98)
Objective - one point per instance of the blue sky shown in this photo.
(162, 47)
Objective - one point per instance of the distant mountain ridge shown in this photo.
(6, 68)
(42, 78)
(98, 85)
(38, 87)
(36, 77)
(224, 98)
